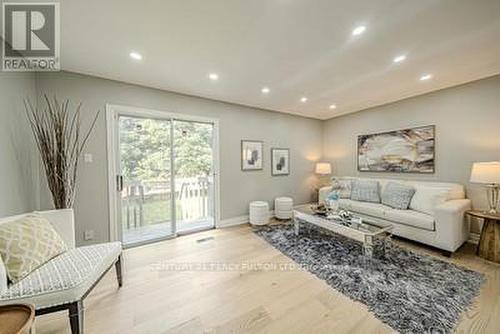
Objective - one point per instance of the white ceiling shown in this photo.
(295, 47)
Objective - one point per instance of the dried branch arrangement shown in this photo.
(60, 142)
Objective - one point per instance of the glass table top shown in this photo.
(354, 222)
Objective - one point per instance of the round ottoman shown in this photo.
(283, 208)
(259, 213)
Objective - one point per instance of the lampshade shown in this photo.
(323, 168)
(485, 172)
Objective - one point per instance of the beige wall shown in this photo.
(467, 120)
(302, 135)
(18, 160)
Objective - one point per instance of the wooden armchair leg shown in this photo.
(119, 274)
(76, 317)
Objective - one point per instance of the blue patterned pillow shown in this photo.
(365, 191)
(397, 195)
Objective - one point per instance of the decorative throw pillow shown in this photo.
(365, 191)
(397, 195)
(26, 244)
(343, 187)
(427, 198)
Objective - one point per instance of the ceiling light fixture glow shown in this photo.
(358, 30)
(265, 90)
(425, 77)
(399, 59)
(213, 76)
(303, 99)
(332, 106)
(135, 55)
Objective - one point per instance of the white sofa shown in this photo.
(435, 216)
(63, 282)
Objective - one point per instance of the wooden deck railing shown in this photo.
(193, 197)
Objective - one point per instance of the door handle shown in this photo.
(119, 183)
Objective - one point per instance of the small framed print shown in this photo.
(252, 155)
(280, 161)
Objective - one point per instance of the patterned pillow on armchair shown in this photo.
(26, 244)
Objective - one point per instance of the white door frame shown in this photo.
(113, 111)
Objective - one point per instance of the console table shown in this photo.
(489, 241)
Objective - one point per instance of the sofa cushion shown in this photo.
(371, 209)
(27, 243)
(427, 198)
(65, 278)
(365, 191)
(397, 195)
(411, 218)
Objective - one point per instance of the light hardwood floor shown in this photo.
(154, 299)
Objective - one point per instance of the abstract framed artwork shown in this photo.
(252, 155)
(280, 161)
(401, 151)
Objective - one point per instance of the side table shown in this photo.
(489, 241)
(16, 318)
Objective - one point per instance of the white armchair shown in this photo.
(63, 282)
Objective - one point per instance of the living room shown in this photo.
(250, 166)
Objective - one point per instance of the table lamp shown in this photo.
(488, 174)
(323, 168)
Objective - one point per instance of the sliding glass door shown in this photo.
(166, 178)
(194, 175)
(145, 179)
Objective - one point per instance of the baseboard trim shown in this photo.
(473, 238)
(233, 221)
(240, 220)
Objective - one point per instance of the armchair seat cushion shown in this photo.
(64, 279)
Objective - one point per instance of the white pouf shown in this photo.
(283, 207)
(259, 213)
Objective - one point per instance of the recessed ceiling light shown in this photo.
(135, 55)
(358, 30)
(303, 99)
(332, 106)
(399, 59)
(425, 77)
(265, 90)
(213, 76)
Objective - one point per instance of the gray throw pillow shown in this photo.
(343, 187)
(397, 195)
(365, 191)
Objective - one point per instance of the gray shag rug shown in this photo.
(411, 293)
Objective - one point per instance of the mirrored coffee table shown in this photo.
(363, 231)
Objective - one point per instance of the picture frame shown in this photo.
(252, 157)
(410, 150)
(280, 161)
